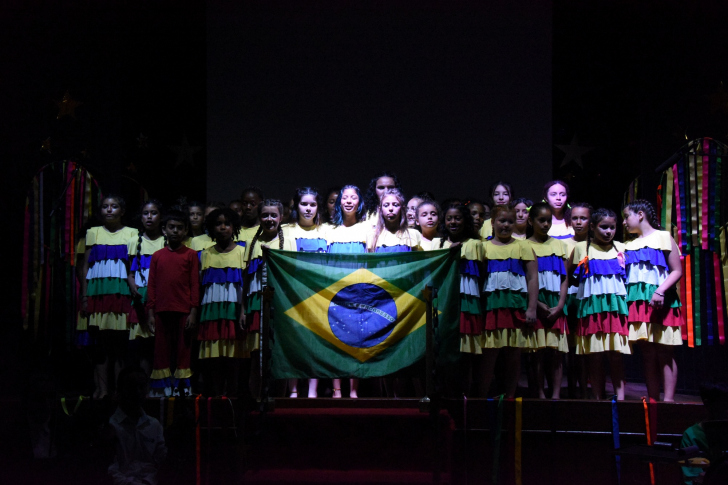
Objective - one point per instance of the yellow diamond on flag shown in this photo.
(362, 314)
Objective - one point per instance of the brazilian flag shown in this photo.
(359, 315)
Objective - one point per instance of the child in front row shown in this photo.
(173, 296)
(510, 292)
(601, 303)
(550, 329)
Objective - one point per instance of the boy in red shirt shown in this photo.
(173, 297)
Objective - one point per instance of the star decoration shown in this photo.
(185, 153)
(67, 106)
(573, 152)
(142, 141)
(46, 145)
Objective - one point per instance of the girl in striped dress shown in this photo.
(601, 303)
(556, 194)
(221, 309)
(653, 270)
(550, 329)
(269, 234)
(510, 292)
(501, 193)
(428, 220)
(141, 249)
(457, 230)
(105, 295)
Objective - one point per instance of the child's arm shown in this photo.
(532, 285)
(194, 291)
(133, 288)
(151, 293)
(675, 268)
(556, 311)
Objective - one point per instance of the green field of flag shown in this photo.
(359, 315)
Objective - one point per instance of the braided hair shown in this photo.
(138, 256)
(647, 209)
(268, 203)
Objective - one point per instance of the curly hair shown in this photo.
(371, 201)
(468, 226)
(231, 217)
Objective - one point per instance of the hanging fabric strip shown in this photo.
(669, 188)
(706, 190)
(711, 197)
(67, 215)
(678, 221)
(615, 438)
(697, 208)
(209, 439)
(661, 198)
(707, 263)
(497, 440)
(41, 220)
(519, 426)
(718, 190)
(697, 318)
(719, 295)
(694, 187)
(648, 433)
(197, 441)
(682, 211)
(688, 301)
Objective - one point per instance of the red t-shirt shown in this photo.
(174, 280)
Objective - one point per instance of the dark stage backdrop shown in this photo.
(451, 97)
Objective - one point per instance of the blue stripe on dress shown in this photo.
(599, 267)
(649, 255)
(469, 267)
(565, 236)
(551, 263)
(399, 248)
(101, 252)
(254, 265)
(145, 259)
(356, 247)
(242, 244)
(311, 245)
(222, 275)
(503, 265)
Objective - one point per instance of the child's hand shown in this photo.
(241, 322)
(151, 323)
(657, 301)
(554, 313)
(542, 309)
(134, 290)
(191, 319)
(456, 246)
(531, 316)
(84, 306)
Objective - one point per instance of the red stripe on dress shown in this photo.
(471, 324)
(217, 330)
(505, 318)
(109, 304)
(641, 311)
(608, 322)
(559, 324)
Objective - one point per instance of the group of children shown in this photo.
(538, 279)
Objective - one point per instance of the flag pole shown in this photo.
(264, 354)
(429, 352)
